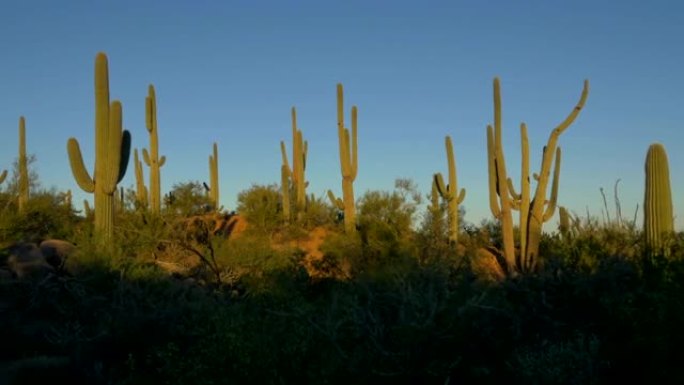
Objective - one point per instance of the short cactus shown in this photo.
(112, 148)
(214, 178)
(658, 214)
(296, 173)
(23, 167)
(141, 193)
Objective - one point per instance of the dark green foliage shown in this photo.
(260, 205)
(189, 198)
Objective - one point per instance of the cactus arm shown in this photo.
(3, 175)
(78, 169)
(551, 205)
(285, 186)
(146, 157)
(283, 152)
(162, 160)
(336, 202)
(492, 175)
(442, 189)
(125, 154)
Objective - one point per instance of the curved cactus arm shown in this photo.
(78, 169)
(492, 174)
(146, 157)
(283, 152)
(551, 207)
(442, 189)
(3, 175)
(461, 196)
(162, 160)
(511, 190)
(125, 154)
(336, 202)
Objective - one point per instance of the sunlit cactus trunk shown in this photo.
(658, 213)
(348, 161)
(450, 192)
(152, 158)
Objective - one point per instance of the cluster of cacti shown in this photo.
(658, 214)
(296, 173)
(450, 192)
(23, 167)
(213, 178)
(348, 163)
(112, 147)
(503, 199)
(141, 193)
(152, 159)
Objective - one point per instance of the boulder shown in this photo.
(56, 251)
(25, 259)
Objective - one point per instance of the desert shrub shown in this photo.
(187, 199)
(261, 206)
(45, 216)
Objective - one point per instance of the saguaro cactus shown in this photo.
(450, 192)
(213, 178)
(296, 173)
(658, 214)
(285, 187)
(348, 161)
(112, 150)
(141, 193)
(23, 167)
(151, 158)
(502, 197)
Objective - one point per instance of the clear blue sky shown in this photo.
(229, 71)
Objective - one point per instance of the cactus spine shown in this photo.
(112, 148)
(214, 180)
(23, 167)
(348, 161)
(450, 192)
(296, 173)
(141, 192)
(658, 214)
(502, 197)
(151, 158)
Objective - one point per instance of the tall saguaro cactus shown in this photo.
(23, 167)
(213, 178)
(112, 150)
(450, 192)
(296, 173)
(151, 158)
(502, 197)
(348, 161)
(658, 213)
(141, 193)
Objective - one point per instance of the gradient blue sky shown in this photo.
(229, 71)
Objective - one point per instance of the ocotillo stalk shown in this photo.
(112, 148)
(348, 160)
(658, 213)
(213, 178)
(151, 158)
(141, 193)
(299, 152)
(533, 212)
(285, 188)
(23, 167)
(450, 192)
